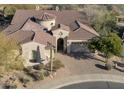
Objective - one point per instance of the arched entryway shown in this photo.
(60, 45)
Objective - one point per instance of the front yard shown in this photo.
(73, 66)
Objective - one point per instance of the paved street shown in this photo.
(95, 85)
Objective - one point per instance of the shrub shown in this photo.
(10, 86)
(108, 66)
(28, 69)
(41, 76)
(24, 80)
(57, 64)
(37, 75)
(46, 73)
(38, 67)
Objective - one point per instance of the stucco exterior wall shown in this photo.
(27, 53)
(48, 24)
(59, 33)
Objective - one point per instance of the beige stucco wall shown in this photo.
(27, 52)
(64, 35)
(47, 24)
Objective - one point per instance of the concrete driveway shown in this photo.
(84, 65)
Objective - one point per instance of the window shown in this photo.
(77, 43)
(33, 56)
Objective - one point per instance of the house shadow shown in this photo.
(120, 64)
(83, 55)
(79, 56)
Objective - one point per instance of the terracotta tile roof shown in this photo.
(74, 26)
(44, 38)
(12, 28)
(40, 36)
(22, 23)
(88, 28)
(32, 26)
(61, 26)
(62, 17)
(82, 32)
(45, 16)
(32, 31)
(22, 36)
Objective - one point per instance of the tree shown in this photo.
(105, 24)
(109, 45)
(8, 54)
(9, 12)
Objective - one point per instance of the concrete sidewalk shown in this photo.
(82, 78)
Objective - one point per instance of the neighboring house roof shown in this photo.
(61, 26)
(45, 16)
(82, 32)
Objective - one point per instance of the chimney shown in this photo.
(37, 7)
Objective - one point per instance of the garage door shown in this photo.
(78, 47)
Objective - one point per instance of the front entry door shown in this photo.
(60, 45)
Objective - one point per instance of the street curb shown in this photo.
(55, 84)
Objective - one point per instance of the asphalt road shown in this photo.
(95, 85)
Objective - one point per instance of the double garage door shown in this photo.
(77, 47)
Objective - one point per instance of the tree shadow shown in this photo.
(120, 64)
(100, 66)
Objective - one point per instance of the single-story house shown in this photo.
(34, 29)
